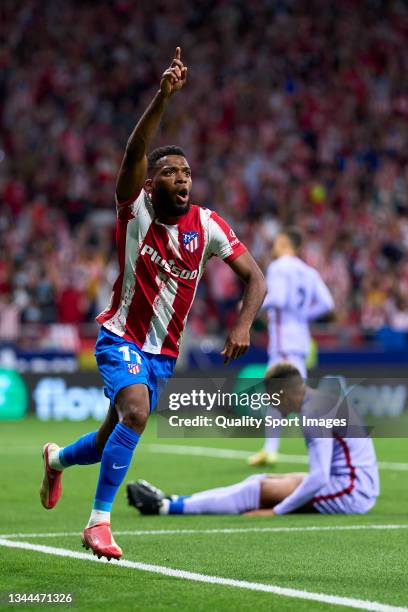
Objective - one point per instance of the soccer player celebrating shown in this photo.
(342, 478)
(164, 242)
(296, 295)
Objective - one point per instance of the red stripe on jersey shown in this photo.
(181, 305)
(141, 308)
(186, 287)
(352, 475)
(121, 227)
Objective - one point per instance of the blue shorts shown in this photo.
(122, 363)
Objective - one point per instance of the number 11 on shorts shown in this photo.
(129, 354)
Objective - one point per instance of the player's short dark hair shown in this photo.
(283, 371)
(160, 152)
(294, 235)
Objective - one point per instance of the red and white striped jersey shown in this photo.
(160, 266)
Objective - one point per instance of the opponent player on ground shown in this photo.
(296, 295)
(342, 479)
(164, 242)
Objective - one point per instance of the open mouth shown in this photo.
(182, 196)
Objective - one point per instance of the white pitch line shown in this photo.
(207, 451)
(360, 604)
(227, 530)
(229, 453)
(221, 453)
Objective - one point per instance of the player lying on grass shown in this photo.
(164, 242)
(342, 478)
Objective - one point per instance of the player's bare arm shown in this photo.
(133, 169)
(238, 340)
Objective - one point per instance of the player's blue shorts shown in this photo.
(122, 363)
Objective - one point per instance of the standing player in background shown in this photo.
(296, 295)
(164, 242)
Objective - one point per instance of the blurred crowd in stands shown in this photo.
(295, 112)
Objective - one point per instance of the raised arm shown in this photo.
(133, 169)
(238, 340)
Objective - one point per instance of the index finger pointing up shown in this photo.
(178, 53)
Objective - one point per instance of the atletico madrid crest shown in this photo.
(190, 241)
(133, 368)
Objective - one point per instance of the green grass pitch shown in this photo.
(364, 564)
